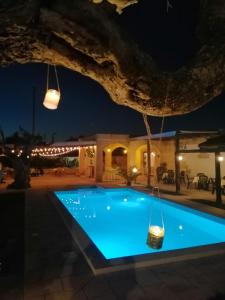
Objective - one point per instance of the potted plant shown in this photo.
(129, 175)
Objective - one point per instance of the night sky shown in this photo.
(85, 107)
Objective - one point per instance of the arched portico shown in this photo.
(141, 158)
(106, 145)
(115, 156)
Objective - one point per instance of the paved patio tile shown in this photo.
(159, 292)
(127, 289)
(35, 298)
(34, 289)
(147, 278)
(136, 293)
(123, 275)
(78, 268)
(196, 294)
(13, 294)
(107, 296)
(69, 269)
(97, 287)
(53, 286)
(66, 296)
(74, 296)
(70, 256)
(74, 283)
(56, 270)
(55, 296)
(176, 284)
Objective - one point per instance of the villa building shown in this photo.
(101, 155)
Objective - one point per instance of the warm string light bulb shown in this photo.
(57, 151)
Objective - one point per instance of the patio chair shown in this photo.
(159, 173)
(165, 177)
(189, 181)
(170, 177)
(212, 182)
(203, 182)
(2, 177)
(182, 177)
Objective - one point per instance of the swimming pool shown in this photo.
(117, 221)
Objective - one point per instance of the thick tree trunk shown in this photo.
(148, 130)
(81, 36)
(21, 175)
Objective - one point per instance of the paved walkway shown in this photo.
(56, 270)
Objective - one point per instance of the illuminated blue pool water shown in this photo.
(117, 221)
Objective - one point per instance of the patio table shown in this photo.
(164, 175)
(195, 179)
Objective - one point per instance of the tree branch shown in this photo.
(81, 36)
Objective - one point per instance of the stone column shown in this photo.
(108, 160)
(82, 161)
(218, 180)
(131, 157)
(99, 164)
(177, 163)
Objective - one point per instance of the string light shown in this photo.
(57, 151)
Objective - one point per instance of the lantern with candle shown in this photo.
(156, 230)
(52, 96)
(155, 236)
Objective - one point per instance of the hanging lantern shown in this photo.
(52, 96)
(155, 236)
(156, 229)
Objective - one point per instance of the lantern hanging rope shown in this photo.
(163, 122)
(52, 96)
(57, 79)
(156, 229)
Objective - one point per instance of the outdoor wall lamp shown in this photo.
(180, 157)
(134, 170)
(220, 158)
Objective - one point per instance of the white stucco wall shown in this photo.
(201, 163)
